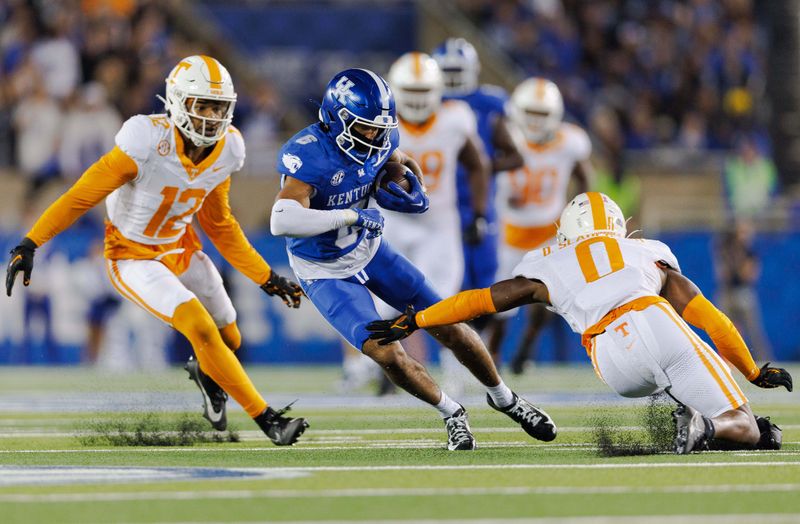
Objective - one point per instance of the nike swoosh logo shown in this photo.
(418, 204)
(217, 169)
(279, 210)
(213, 416)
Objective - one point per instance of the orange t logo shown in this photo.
(621, 329)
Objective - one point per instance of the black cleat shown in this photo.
(693, 430)
(282, 431)
(533, 420)
(214, 397)
(771, 435)
(459, 434)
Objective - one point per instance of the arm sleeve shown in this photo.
(226, 234)
(114, 169)
(463, 306)
(290, 219)
(702, 314)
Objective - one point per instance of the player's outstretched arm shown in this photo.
(686, 298)
(477, 167)
(466, 305)
(292, 216)
(111, 171)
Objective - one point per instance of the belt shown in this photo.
(637, 304)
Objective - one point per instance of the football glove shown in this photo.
(476, 230)
(371, 220)
(388, 331)
(772, 378)
(289, 291)
(412, 201)
(21, 260)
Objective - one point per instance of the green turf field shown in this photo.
(365, 459)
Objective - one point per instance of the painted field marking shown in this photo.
(393, 492)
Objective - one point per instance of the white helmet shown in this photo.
(416, 81)
(199, 77)
(589, 213)
(537, 107)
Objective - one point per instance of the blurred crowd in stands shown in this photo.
(73, 70)
(671, 72)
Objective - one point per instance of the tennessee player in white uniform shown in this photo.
(163, 171)
(529, 200)
(439, 136)
(609, 288)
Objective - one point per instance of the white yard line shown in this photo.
(393, 492)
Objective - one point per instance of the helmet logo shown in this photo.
(342, 92)
(337, 178)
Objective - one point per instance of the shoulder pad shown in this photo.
(137, 134)
(235, 142)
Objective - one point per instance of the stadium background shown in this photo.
(669, 91)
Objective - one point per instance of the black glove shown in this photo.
(388, 331)
(476, 230)
(21, 260)
(289, 291)
(772, 378)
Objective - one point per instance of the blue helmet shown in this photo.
(460, 66)
(358, 98)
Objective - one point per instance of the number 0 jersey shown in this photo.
(159, 203)
(588, 278)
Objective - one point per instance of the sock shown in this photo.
(215, 358)
(501, 395)
(447, 406)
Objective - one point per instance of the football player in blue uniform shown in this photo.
(328, 175)
(460, 66)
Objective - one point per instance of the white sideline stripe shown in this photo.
(394, 492)
(42, 431)
(765, 518)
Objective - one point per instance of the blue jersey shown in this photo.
(339, 182)
(489, 104)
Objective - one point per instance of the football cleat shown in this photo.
(282, 431)
(693, 430)
(459, 434)
(533, 420)
(771, 435)
(214, 397)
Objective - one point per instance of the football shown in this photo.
(394, 172)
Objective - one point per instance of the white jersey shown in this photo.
(589, 278)
(434, 237)
(157, 206)
(435, 146)
(535, 194)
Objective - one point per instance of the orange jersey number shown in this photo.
(533, 186)
(587, 261)
(431, 163)
(170, 193)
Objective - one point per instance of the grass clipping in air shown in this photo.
(152, 430)
(657, 437)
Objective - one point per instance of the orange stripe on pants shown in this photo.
(701, 355)
(127, 292)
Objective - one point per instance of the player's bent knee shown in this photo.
(195, 323)
(388, 355)
(231, 336)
